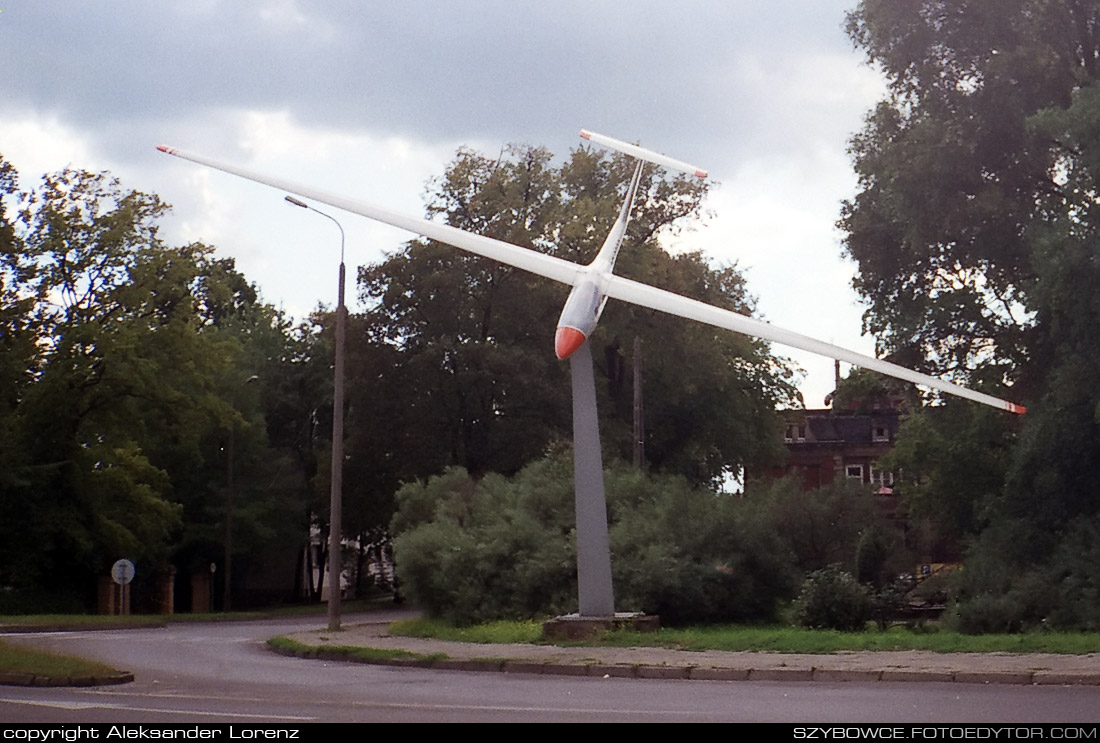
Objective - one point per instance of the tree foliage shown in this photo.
(124, 362)
(983, 146)
(976, 235)
(863, 391)
(953, 459)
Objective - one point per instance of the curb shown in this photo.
(696, 673)
(28, 679)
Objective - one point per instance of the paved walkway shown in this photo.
(999, 668)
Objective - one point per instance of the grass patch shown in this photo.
(775, 639)
(17, 659)
(79, 621)
(494, 633)
(351, 652)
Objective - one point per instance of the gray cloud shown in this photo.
(712, 74)
(764, 95)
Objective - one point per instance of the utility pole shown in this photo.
(639, 412)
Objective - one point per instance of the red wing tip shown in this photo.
(1017, 409)
(166, 148)
(700, 174)
(585, 134)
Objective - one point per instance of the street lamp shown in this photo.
(335, 543)
(227, 593)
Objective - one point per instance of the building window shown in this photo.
(881, 478)
(854, 472)
(880, 433)
(796, 434)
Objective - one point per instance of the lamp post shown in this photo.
(227, 591)
(335, 542)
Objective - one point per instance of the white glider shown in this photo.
(595, 283)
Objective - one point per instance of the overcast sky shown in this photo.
(371, 99)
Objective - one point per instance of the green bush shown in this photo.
(873, 553)
(690, 555)
(818, 527)
(832, 599)
(481, 550)
(1059, 590)
(473, 551)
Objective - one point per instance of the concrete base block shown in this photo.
(576, 627)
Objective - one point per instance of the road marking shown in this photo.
(164, 710)
(381, 705)
(59, 705)
(517, 708)
(177, 695)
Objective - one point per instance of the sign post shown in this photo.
(122, 572)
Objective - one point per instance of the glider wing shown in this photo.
(675, 304)
(513, 255)
(611, 285)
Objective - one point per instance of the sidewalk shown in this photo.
(661, 663)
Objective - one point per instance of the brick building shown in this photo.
(824, 445)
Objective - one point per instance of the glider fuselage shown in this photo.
(587, 299)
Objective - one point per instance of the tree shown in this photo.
(472, 338)
(18, 354)
(864, 391)
(952, 460)
(976, 235)
(125, 359)
(983, 145)
(293, 362)
(83, 492)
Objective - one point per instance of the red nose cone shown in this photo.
(566, 341)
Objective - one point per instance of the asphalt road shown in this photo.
(222, 673)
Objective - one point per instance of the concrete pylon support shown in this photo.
(594, 590)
